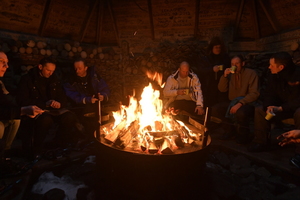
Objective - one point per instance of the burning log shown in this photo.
(113, 135)
(166, 147)
(127, 135)
(152, 148)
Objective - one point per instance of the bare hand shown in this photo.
(273, 109)
(181, 92)
(100, 97)
(31, 111)
(171, 111)
(199, 110)
(216, 68)
(227, 71)
(94, 100)
(235, 108)
(289, 137)
(53, 104)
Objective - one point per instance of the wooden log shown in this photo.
(21, 49)
(43, 52)
(113, 135)
(41, 44)
(79, 49)
(29, 50)
(83, 54)
(74, 49)
(99, 50)
(31, 43)
(19, 43)
(14, 49)
(166, 147)
(91, 55)
(67, 47)
(76, 44)
(95, 51)
(35, 51)
(101, 56)
(55, 52)
(127, 135)
(71, 53)
(48, 52)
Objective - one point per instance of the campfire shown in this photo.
(143, 127)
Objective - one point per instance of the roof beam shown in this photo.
(268, 15)
(256, 27)
(88, 18)
(151, 19)
(197, 17)
(238, 17)
(100, 22)
(45, 17)
(114, 21)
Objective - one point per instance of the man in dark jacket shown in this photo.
(282, 97)
(86, 89)
(10, 113)
(42, 88)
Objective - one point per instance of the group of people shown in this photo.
(42, 100)
(234, 95)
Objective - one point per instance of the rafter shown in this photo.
(238, 16)
(256, 27)
(268, 15)
(100, 22)
(114, 21)
(151, 19)
(45, 17)
(197, 17)
(88, 17)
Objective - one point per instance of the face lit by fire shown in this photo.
(216, 49)
(236, 61)
(80, 68)
(3, 64)
(275, 68)
(47, 69)
(184, 70)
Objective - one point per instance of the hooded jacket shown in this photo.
(171, 87)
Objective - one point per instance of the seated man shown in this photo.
(10, 113)
(281, 97)
(242, 86)
(183, 91)
(41, 87)
(85, 89)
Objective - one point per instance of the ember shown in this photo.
(141, 127)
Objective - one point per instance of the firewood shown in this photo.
(152, 148)
(67, 47)
(166, 147)
(79, 49)
(21, 49)
(74, 49)
(30, 43)
(83, 54)
(43, 52)
(48, 52)
(41, 44)
(28, 50)
(71, 53)
(113, 135)
(101, 56)
(99, 50)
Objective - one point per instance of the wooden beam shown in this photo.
(268, 15)
(100, 22)
(238, 17)
(197, 18)
(114, 21)
(256, 26)
(151, 19)
(45, 17)
(88, 17)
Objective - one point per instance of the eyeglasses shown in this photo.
(5, 64)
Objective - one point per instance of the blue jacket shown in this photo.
(77, 93)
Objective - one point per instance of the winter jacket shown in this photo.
(77, 93)
(8, 107)
(171, 87)
(37, 90)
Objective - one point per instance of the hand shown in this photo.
(227, 71)
(235, 108)
(181, 92)
(94, 100)
(199, 110)
(216, 68)
(31, 111)
(289, 137)
(171, 111)
(273, 109)
(100, 97)
(53, 104)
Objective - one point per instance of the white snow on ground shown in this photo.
(48, 181)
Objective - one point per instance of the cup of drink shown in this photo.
(220, 67)
(269, 115)
(232, 69)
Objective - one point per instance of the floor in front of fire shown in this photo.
(73, 171)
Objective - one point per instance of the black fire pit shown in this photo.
(130, 175)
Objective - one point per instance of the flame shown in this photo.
(142, 124)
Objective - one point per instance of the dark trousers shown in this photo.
(263, 126)
(67, 131)
(242, 117)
